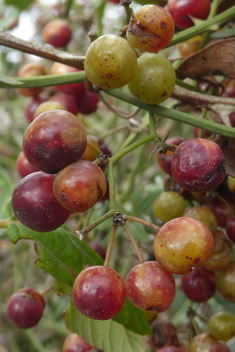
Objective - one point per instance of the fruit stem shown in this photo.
(68, 6)
(96, 223)
(48, 290)
(112, 196)
(143, 222)
(152, 126)
(35, 341)
(134, 243)
(212, 14)
(110, 245)
(131, 147)
(4, 223)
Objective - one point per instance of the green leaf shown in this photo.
(8, 81)
(106, 335)
(63, 255)
(60, 252)
(20, 4)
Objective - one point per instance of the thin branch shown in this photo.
(44, 51)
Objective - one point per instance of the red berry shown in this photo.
(99, 292)
(23, 166)
(198, 165)
(57, 33)
(25, 308)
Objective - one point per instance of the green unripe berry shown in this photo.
(154, 80)
(168, 206)
(222, 326)
(110, 62)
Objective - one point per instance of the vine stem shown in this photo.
(143, 222)
(4, 223)
(112, 196)
(110, 245)
(134, 243)
(40, 50)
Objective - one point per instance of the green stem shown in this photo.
(202, 27)
(97, 222)
(212, 14)
(68, 6)
(134, 243)
(176, 115)
(35, 341)
(152, 125)
(110, 245)
(133, 146)
(112, 196)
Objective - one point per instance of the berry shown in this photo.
(47, 106)
(23, 166)
(190, 46)
(110, 62)
(183, 10)
(169, 205)
(198, 165)
(57, 33)
(150, 287)
(225, 282)
(35, 205)
(222, 210)
(55, 139)
(198, 285)
(222, 253)
(87, 103)
(31, 70)
(25, 308)
(183, 243)
(91, 153)
(154, 80)
(75, 343)
(99, 292)
(98, 248)
(150, 29)
(79, 186)
(204, 342)
(230, 228)
(170, 349)
(204, 214)
(68, 101)
(72, 88)
(222, 326)
(31, 107)
(164, 334)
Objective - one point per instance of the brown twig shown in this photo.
(44, 51)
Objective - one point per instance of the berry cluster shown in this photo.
(65, 168)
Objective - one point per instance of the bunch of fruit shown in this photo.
(68, 171)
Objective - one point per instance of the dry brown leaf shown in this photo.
(227, 144)
(215, 59)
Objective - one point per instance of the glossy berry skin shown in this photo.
(150, 287)
(151, 28)
(87, 103)
(222, 326)
(154, 80)
(79, 186)
(110, 62)
(198, 285)
(183, 243)
(91, 153)
(225, 282)
(222, 210)
(25, 308)
(57, 33)
(23, 166)
(75, 343)
(35, 205)
(169, 205)
(31, 70)
(99, 292)
(53, 140)
(183, 10)
(198, 165)
(205, 343)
